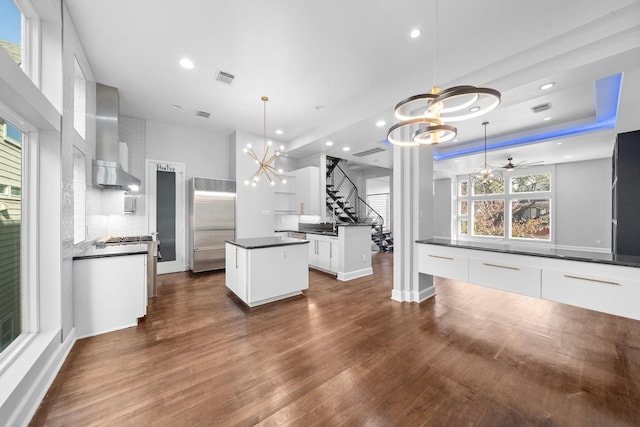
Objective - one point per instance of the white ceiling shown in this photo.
(333, 68)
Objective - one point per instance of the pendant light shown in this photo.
(422, 117)
(266, 163)
(486, 172)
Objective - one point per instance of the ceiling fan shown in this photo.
(524, 164)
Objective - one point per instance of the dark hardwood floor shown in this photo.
(345, 354)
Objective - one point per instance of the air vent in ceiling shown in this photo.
(224, 77)
(368, 152)
(541, 107)
(203, 114)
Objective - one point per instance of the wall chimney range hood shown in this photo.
(107, 172)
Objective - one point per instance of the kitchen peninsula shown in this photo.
(266, 269)
(594, 280)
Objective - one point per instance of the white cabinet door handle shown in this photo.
(236, 258)
(441, 257)
(569, 276)
(500, 266)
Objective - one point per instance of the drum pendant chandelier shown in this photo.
(422, 117)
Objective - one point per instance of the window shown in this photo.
(11, 30)
(10, 235)
(380, 204)
(79, 99)
(516, 205)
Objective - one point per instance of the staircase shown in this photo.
(346, 206)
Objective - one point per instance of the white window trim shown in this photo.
(508, 197)
(29, 241)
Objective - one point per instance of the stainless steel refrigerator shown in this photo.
(213, 220)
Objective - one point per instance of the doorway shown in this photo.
(166, 212)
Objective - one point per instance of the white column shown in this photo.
(412, 220)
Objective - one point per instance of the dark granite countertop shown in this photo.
(91, 251)
(547, 252)
(266, 242)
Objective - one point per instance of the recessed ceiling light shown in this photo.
(346, 148)
(187, 63)
(559, 143)
(547, 118)
(474, 109)
(455, 140)
(415, 33)
(279, 132)
(547, 86)
(568, 156)
(380, 123)
(328, 143)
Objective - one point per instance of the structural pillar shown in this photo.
(412, 220)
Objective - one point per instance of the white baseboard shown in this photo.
(419, 296)
(355, 274)
(399, 295)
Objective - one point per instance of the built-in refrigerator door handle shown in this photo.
(236, 258)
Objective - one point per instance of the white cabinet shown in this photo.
(320, 252)
(307, 200)
(505, 275)
(608, 288)
(236, 270)
(265, 274)
(443, 261)
(614, 290)
(110, 293)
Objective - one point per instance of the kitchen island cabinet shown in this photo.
(110, 289)
(598, 281)
(266, 269)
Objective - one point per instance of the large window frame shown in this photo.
(463, 221)
(28, 238)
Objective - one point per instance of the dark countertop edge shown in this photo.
(93, 256)
(536, 254)
(266, 245)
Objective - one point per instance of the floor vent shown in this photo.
(368, 152)
(224, 77)
(541, 107)
(203, 114)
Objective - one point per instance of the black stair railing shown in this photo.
(345, 204)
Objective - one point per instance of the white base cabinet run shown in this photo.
(262, 275)
(608, 288)
(110, 293)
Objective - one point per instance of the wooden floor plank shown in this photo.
(345, 354)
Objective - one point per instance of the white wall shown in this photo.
(205, 154)
(442, 208)
(583, 204)
(379, 185)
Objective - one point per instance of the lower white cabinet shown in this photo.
(610, 290)
(110, 293)
(321, 252)
(444, 262)
(505, 275)
(261, 275)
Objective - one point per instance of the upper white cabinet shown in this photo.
(307, 200)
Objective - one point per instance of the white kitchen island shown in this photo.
(266, 269)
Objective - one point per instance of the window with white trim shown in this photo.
(514, 206)
(11, 214)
